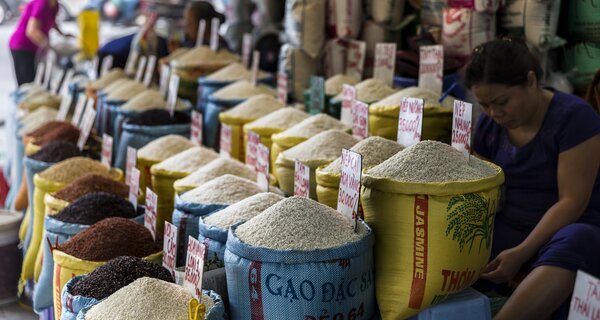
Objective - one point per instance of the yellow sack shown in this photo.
(144, 166)
(238, 149)
(285, 171)
(53, 206)
(279, 145)
(31, 148)
(162, 185)
(328, 185)
(433, 239)
(89, 32)
(437, 122)
(24, 227)
(67, 267)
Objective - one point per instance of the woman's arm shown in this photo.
(577, 172)
(35, 34)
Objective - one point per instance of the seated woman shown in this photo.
(548, 144)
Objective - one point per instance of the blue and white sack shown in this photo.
(73, 304)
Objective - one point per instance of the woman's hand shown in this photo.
(505, 266)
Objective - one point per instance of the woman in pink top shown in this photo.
(31, 37)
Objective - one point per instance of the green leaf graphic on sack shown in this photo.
(470, 216)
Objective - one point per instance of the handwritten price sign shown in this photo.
(262, 166)
(107, 145)
(410, 121)
(431, 67)
(225, 141)
(385, 62)
(170, 247)
(349, 192)
(461, 126)
(348, 97)
(196, 135)
(357, 51)
(194, 268)
(134, 186)
(150, 216)
(251, 147)
(301, 179)
(360, 119)
(282, 87)
(585, 303)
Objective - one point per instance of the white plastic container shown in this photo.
(10, 255)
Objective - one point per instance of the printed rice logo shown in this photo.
(470, 216)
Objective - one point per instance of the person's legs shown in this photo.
(24, 64)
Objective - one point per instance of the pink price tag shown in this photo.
(357, 51)
(225, 141)
(262, 166)
(194, 267)
(170, 247)
(410, 121)
(107, 147)
(385, 62)
(461, 126)
(246, 49)
(87, 123)
(301, 179)
(196, 128)
(251, 147)
(130, 164)
(348, 97)
(349, 191)
(255, 62)
(360, 119)
(431, 67)
(150, 215)
(134, 186)
(282, 87)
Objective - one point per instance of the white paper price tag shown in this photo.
(585, 302)
(48, 72)
(282, 87)
(55, 85)
(410, 121)
(196, 134)
(150, 215)
(225, 141)
(131, 61)
(262, 166)
(255, 62)
(431, 68)
(165, 73)
(134, 186)
(149, 74)
(461, 126)
(39, 73)
(194, 268)
(78, 110)
(385, 62)
(251, 147)
(140, 69)
(360, 119)
(170, 248)
(214, 34)
(201, 32)
(131, 162)
(107, 63)
(107, 147)
(349, 191)
(93, 71)
(355, 63)
(87, 123)
(173, 90)
(65, 106)
(301, 179)
(246, 49)
(64, 87)
(348, 97)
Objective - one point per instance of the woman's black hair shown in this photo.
(505, 61)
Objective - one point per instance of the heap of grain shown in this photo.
(56, 151)
(243, 89)
(437, 117)
(374, 150)
(125, 91)
(335, 84)
(105, 80)
(300, 235)
(226, 189)
(68, 170)
(439, 195)
(91, 183)
(40, 100)
(233, 72)
(370, 90)
(148, 99)
(35, 119)
(245, 112)
(214, 169)
(314, 152)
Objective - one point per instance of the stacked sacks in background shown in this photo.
(115, 99)
(438, 240)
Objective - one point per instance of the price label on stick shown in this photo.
(360, 119)
(140, 69)
(107, 146)
(225, 141)
(131, 60)
(170, 247)
(65, 105)
(255, 62)
(348, 97)
(55, 85)
(431, 67)
(246, 49)
(173, 90)
(317, 94)
(196, 128)
(349, 191)
(201, 32)
(585, 301)
(150, 66)
(262, 166)
(214, 34)
(410, 121)
(165, 73)
(130, 164)
(301, 179)
(461, 126)
(150, 215)
(93, 71)
(385, 62)
(194, 268)
(355, 62)
(87, 123)
(78, 110)
(134, 186)
(48, 72)
(64, 87)
(282, 87)
(251, 147)
(39, 73)
(107, 63)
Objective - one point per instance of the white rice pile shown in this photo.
(370, 90)
(374, 150)
(226, 189)
(243, 89)
(324, 146)
(164, 147)
(243, 210)
(187, 161)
